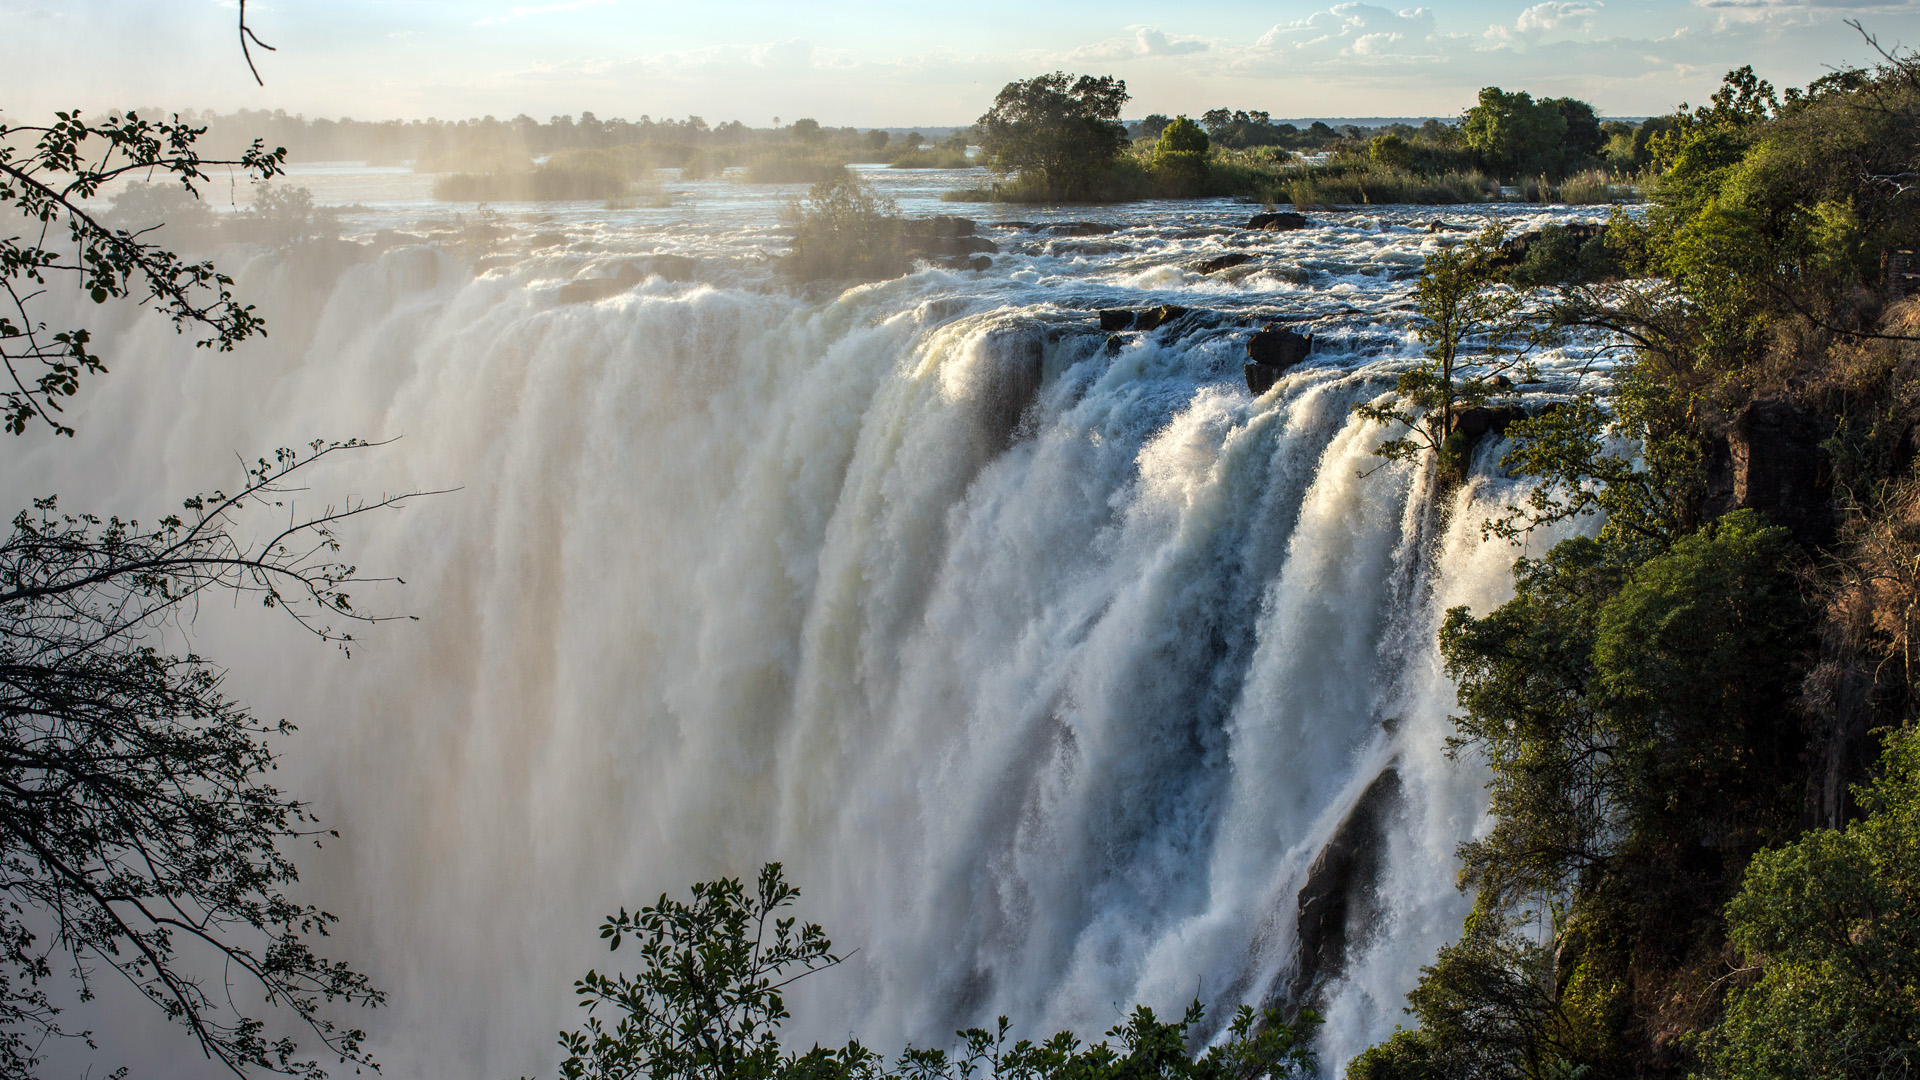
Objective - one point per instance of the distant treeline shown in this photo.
(584, 157)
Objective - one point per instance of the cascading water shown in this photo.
(1048, 664)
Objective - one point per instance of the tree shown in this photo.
(844, 229)
(1829, 929)
(1515, 135)
(707, 1004)
(1473, 329)
(1180, 158)
(136, 823)
(138, 833)
(48, 182)
(1058, 131)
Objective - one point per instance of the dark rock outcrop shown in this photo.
(1337, 904)
(1283, 221)
(1480, 421)
(946, 225)
(944, 238)
(1776, 466)
(1080, 228)
(1146, 319)
(1270, 352)
(1018, 356)
(1902, 270)
(1222, 262)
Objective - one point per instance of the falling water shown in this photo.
(1048, 664)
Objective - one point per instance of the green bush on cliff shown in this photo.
(708, 1002)
(1829, 928)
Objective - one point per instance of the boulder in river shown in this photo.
(1222, 262)
(1146, 319)
(1283, 221)
(1270, 352)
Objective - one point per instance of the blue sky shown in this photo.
(868, 63)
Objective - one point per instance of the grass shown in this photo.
(543, 183)
(792, 165)
(932, 158)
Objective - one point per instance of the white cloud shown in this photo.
(1356, 29)
(1555, 16)
(1146, 41)
(521, 11)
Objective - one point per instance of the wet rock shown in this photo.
(1482, 420)
(1018, 355)
(1114, 342)
(980, 262)
(944, 237)
(671, 267)
(1084, 247)
(1222, 262)
(546, 240)
(1270, 352)
(1147, 319)
(945, 225)
(1283, 221)
(1337, 905)
(1155, 317)
(1438, 226)
(589, 289)
(1080, 228)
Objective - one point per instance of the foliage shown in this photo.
(1830, 928)
(1371, 185)
(1664, 705)
(844, 229)
(1061, 130)
(48, 182)
(1473, 329)
(708, 1004)
(1179, 162)
(1514, 134)
(137, 829)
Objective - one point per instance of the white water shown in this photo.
(1042, 726)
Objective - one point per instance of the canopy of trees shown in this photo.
(1059, 132)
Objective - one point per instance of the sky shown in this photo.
(872, 64)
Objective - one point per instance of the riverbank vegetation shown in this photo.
(1700, 721)
(707, 1004)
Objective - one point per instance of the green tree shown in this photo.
(1474, 330)
(1179, 161)
(1059, 131)
(708, 1003)
(1829, 929)
(844, 229)
(1515, 135)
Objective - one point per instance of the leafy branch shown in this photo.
(47, 181)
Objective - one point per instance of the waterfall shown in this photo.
(1048, 665)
